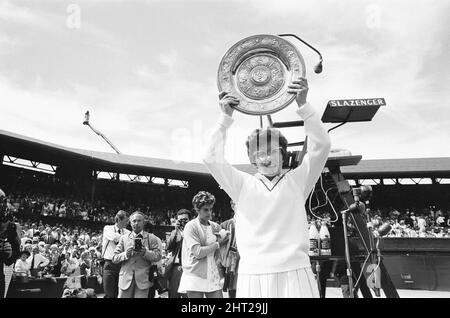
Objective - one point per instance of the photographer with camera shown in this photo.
(174, 269)
(9, 242)
(136, 252)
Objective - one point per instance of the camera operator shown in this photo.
(136, 252)
(174, 244)
(9, 242)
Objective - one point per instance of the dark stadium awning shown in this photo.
(37, 150)
(49, 153)
(399, 168)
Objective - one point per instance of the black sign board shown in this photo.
(352, 110)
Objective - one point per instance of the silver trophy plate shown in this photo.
(258, 70)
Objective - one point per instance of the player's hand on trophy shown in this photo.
(227, 102)
(299, 87)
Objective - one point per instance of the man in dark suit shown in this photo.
(174, 243)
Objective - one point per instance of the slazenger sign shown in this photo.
(357, 102)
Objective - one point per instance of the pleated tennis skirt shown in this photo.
(299, 283)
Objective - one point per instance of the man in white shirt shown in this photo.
(37, 261)
(111, 237)
(271, 226)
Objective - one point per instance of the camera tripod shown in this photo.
(351, 209)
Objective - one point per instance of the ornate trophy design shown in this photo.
(258, 70)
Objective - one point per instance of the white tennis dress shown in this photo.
(271, 222)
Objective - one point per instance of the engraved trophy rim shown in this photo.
(278, 49)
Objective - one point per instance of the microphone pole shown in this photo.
(356, 207)
(318, 68)
(347, 253)
(374, 250)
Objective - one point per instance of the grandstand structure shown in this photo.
(400, 183)
(428, 179)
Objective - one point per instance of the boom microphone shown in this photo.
(318, 68)
(382, 230)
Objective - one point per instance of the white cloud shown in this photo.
(19, 14)
(150, 81)
(8, 44)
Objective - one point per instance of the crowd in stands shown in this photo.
(58, 251)
(30, 192)
(70, 251)
(100, 211)
(66, 249)
(425, 222)
(62, 251)
(97, 211)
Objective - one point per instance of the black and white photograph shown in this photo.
(224, 149)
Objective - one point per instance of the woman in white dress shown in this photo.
(271, 226)
(200, 250)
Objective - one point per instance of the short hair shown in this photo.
(120, 216)
(267, 136)
(184, 211)
(203, 198)
(137, 213)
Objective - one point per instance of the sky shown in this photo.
(146, 71)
